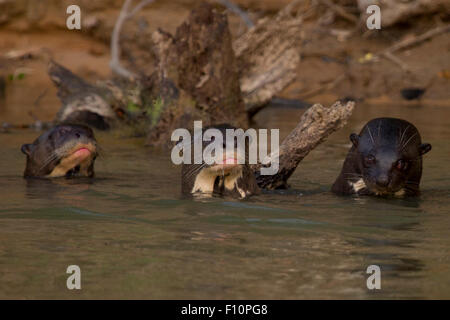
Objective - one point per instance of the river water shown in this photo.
(134, 236)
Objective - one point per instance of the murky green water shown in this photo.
(134, 236)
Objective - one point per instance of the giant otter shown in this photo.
(65, 150)
(385, 159)
(224, 178)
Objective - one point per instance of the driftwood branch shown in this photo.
(315, 125)
(79, 97)
(124, 15)
(340, 11)
(418, 39)
(68, 84)
(389, 52)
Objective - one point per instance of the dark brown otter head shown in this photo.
(65, 150)
(230, 175)
(388, 155)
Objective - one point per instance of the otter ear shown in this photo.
(424, 148)
(354, 138)
(27, 149)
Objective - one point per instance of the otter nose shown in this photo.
(77, 133)
(383, 181)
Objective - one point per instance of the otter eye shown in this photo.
(401, 165)
(369, 160)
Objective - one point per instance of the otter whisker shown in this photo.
(62, 151)
(406, 143)
(403, 134)
(195, 169)
(370, 133)
(53, 156)
(192, 172)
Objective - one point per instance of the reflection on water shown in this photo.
(133, 234)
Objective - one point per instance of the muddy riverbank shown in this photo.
(338, 58)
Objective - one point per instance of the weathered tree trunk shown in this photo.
(199, 62)
(207, 68)
(315, 125)
(268, 55)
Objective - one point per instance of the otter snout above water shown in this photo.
(225, 177)
(65, 150)
(385, 159)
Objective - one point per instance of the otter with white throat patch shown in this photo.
(385, 160)
(225, 177)
(63, 151)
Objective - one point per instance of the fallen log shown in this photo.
(101, 105)
(82, 102)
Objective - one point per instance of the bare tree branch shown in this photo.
(417, 39)
(234, 8)
(389, 52)
(124, 15)
(389, 56)
(340, 11)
